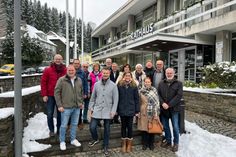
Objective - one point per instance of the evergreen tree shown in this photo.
(9, 5)
(62, 23)
(25, 11)
(46, 21)
(55, 20)
(38, 16)
(31, 13)
(88, 39)
(8, 49)
(32, 52)
(79, 24)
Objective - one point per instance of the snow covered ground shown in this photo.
(199, 143)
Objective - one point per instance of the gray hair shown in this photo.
(138, 65)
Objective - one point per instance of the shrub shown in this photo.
(222, 74)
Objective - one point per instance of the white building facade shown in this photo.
(186, 34)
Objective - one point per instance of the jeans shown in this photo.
(73, 114)
(93, 130)
(85, 113)
(175, 124)
(126, 126)
(51, 104)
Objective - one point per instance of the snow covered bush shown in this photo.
(222, 74)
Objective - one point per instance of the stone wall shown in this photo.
(31, 104)
(216, 105)
(7, 83)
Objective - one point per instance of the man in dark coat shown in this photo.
(170, 93)
(113, 77)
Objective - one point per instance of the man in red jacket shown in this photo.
(48, 82)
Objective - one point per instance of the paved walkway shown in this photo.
(211, 124)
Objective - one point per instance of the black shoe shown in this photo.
(144, 147)
(175, 148)
(116, 122)
(166, 145)
(106, 152)
(151, 147)
(51, 134)
(92, 143)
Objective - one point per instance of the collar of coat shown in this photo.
(68, 78)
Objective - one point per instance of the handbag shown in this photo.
(155, 126)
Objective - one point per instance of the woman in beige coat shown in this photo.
(149, 109)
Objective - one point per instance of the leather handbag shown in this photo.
(155, 126)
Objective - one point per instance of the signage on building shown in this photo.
(142, 31)
(219, 51)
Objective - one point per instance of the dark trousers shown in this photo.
(126, 126)
(51, 104)
(147, 139)
(85, 113)
(93, 130)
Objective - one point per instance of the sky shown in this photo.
(95, 11)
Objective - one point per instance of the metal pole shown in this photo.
(67, 34)
(17, 80)
(75, 52)
(82, 31)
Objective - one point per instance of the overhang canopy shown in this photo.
(164, 42)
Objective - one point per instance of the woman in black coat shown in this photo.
(128, 107)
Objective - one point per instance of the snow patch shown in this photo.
(25, 91)
(6, 112)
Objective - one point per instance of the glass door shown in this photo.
(173, 61)
(190, 69)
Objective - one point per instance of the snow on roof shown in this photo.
(25, 91)
(54, 36)
(217, 91)
(6, 112)
(35, 33)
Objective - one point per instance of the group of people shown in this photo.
(112, 96)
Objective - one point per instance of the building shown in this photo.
(60, 41)
(43, 40)
(186, 34)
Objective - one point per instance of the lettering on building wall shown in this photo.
(142, 31)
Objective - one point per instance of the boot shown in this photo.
(129, 145)
(123, 145)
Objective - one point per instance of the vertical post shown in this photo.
(67, 34)
(75, 42)
(17, 80)
(82, 31)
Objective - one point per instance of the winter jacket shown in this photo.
(66, 95)
(171, 94)
(112, 78)
(128, 99)
(92, 79)
(104, 99)
(49, 79)
(82, 76)
(148, 97)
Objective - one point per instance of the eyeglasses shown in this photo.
(85, 67)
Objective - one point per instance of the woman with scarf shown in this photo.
(128, 107)
(149, 109)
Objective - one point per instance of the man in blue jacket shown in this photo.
(80, 73)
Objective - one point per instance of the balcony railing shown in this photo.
(197, 13)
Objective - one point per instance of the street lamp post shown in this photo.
(17, 81)
(67, 33)
(82, 30)
(75, 42)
